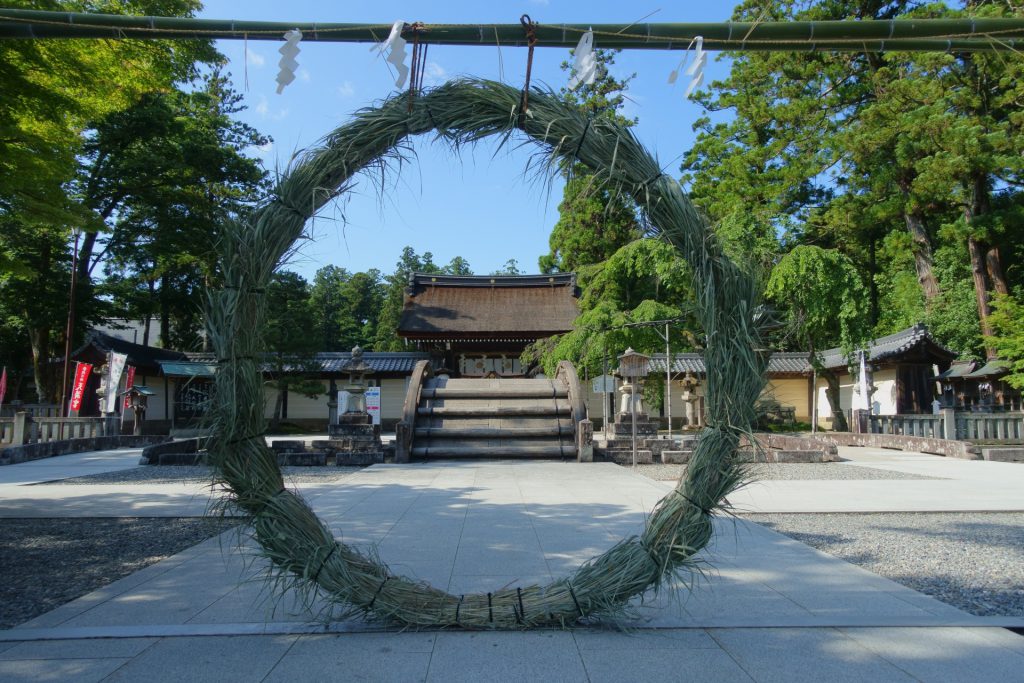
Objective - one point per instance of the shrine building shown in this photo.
(478, 325)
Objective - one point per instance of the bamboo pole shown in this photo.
(856, 36)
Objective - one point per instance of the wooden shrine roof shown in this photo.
(508, 307)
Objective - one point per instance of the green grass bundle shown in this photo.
(302, 550)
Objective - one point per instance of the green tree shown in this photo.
(642, 282)
(387, 338)
(594, 220)
(290, 347)
(878, 155)
(593, 223)
(54, 88)
(33, 301)
(325, 298)
(52, 91)
(825, 301)
(511, 267)
(360, 303)
(1008, 323)
(161, 179)
(625, 280)
(457, 266)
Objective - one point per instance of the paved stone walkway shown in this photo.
(770, 608)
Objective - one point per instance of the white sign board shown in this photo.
(373, 403)
(605, 384)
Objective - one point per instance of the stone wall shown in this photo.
(950, 449)
(177, 452)
(36, 451)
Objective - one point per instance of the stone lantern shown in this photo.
(633, 368)
(137, 398)
(355, 440)
(357, 370)
(689, 385)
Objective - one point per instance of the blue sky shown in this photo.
(480, 205)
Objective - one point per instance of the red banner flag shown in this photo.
(3, 387)
(78, 391)
(128, 382)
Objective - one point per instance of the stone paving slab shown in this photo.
(770, 609)
(72, 465)
(962, 485)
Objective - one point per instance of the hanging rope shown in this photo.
(419, 55)
(531, 39)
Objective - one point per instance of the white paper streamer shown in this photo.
(696, 68)
(288, 64)
(396, 57)
(584, 69)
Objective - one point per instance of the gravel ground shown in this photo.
(802, 471)
(974, 561)
(193, 474)
(45, 563)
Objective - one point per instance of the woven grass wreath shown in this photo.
(303, 552)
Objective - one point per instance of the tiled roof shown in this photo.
(780, 363)
(993, 368)
(791, 362)
(139, 356)
(960, 368)
(383, 363)
(520, 306)
(895, 344)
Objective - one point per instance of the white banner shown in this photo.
(373, 403)
(117, 363)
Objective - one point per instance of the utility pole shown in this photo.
(668, 376)
(71, 325)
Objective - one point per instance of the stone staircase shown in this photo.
(494, 418)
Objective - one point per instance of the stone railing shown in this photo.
(949, 424)
(11, 409)
(25, 429)
(582, 427)
(930, 426)
(989, 426)
(405, 429)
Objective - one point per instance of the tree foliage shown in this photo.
(290, 347)
(1008, 321)
(825, 301)
(909, 164)
(593, 220)
(54, 92)
(386, 332)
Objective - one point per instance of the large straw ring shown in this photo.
(302, 550)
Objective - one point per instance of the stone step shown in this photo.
(503, 418)
(498, 451)
(547, 391)
(549, 408)
(492, 383)
(177, 459)
(492, 432)
(625, 457)
(676, 457)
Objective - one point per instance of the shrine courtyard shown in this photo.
(766, 607)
